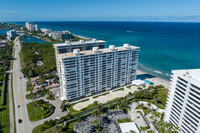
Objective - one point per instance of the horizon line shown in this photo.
(103, 21)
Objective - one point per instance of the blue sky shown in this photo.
(100, 10)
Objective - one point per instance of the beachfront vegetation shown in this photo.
(145, 109)
(37, 59)
(157, 119)
(155, 95)
(39, 109)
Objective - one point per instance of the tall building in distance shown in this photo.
(37, 28)
(68, 47)
(61, 35)
(83, 73)
(32, 27)
(183, 106)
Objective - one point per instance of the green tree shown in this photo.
(142, 129)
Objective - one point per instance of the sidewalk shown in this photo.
(11, 110)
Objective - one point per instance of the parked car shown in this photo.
(19, 120)
(20, 77)
(18, 106)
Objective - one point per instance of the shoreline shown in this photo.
(81, 37)
(155, 79)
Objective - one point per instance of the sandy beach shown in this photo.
(155, 79)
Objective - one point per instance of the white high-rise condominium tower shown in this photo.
(83, 73)
(183, 106)
(68, 47)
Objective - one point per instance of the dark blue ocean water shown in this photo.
(164, 45)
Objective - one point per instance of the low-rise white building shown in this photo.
(3, 43)
(138, 82)
(183, 105)
(128, 126)
(11, 33)
(83, 73)
(45, 30)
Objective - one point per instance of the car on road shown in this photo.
(18, 106)
(20, 77)
(19, 120)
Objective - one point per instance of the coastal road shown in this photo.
(19, 91)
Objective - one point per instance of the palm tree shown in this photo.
(119, 101)
(154, 116)
(149, 105)
(142, 129)
(177, 129)
(96, 114)
(151, 85)
(124, 102)
(131, 131)
(99, 108)
(139, 88)
(155, 99)
(144, 86)
(95, 103)
(129, 94)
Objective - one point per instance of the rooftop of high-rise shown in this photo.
(191, 73)
(96, 50)
(79, 42)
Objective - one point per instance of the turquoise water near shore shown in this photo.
(165, 46)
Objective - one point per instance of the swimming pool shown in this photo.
(149, 82)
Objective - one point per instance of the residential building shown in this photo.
(46, 31)
(83, 73)
(61, 35)
(68, 47)
(11, 33)
(3, 43)
(27, 25)
(183, 105)
(37, 28)
(32, 27)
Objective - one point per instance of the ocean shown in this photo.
(165, 46)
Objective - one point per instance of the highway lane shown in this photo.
(19, 88)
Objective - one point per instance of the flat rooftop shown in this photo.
(66, 55)
(82, 42)
(127, 127)
(192, 73)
